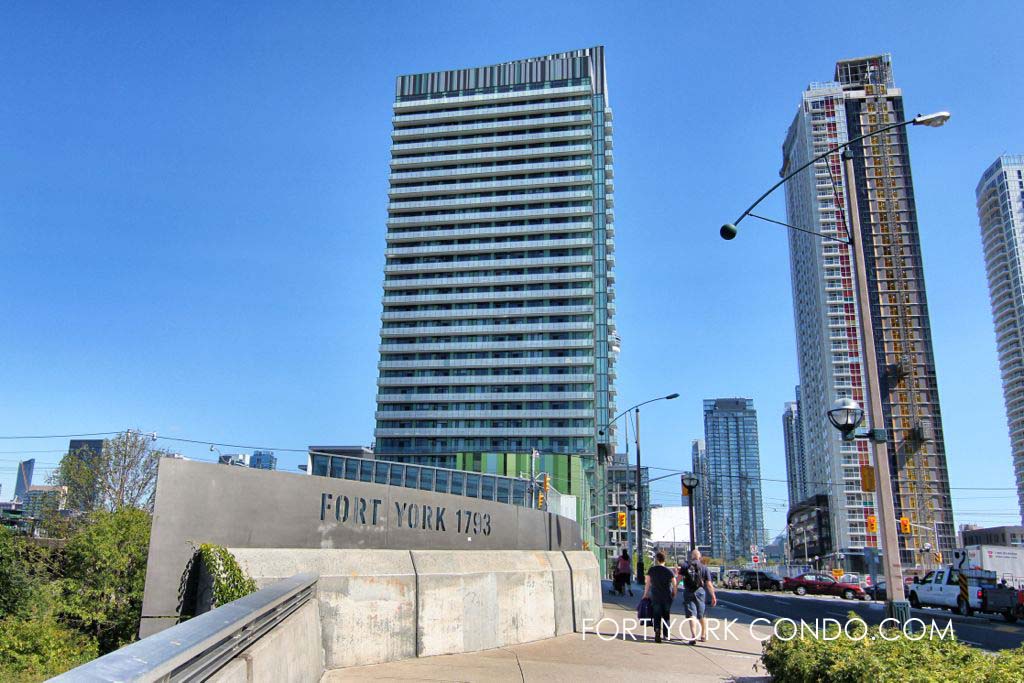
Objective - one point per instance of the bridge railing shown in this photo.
(196, 648)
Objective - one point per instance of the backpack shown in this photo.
(692, 577)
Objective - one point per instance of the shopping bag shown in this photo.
(644, 611)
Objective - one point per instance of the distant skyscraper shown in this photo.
(263, 460)
(496, 333)
(1000, 197)
(702, 495)
(734, 470)
(235, 459)
(796, 468)
(25, 470)
(862, 98)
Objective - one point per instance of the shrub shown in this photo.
(834, 657)
(37, 647)
(229, 581)
(15, 582)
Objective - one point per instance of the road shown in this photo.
(989, 634)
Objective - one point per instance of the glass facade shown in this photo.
(734, 473)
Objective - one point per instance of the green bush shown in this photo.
(229, 581)
(809, 659)
(36, 647)
(15, 582)
(104, 575)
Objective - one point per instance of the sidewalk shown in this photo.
(588, 657)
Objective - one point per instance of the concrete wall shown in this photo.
(238, 507)
(290, 653)
(385, 605)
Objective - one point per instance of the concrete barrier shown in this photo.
(290, 652)
(379, 606)
(586, 586)
(367, 598)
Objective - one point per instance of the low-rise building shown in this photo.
(994, 535)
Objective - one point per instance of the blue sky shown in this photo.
(192, 206)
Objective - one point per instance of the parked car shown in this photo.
(754, 579)
(732, 579)
(822, 584)
(877, 591)
(852, 578)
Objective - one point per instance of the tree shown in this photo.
(105, 572)
(122, 476)
(15, 582)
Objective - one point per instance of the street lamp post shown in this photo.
(639, 499)
(842, 416)
(690, 482)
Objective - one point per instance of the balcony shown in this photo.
(495, 155)
(462, 347)
(486, 98)
(473, 314)
(420, 283)
(452, 129)
(490, 140)
(574, 104)
(496, 200)
(453, 233)
(518, 245)
(488, 170)
(508, 328)
(542, 414)
(515, 295)
(490, 185)
(484, 363)
(444, 266)
(485, 380)
(500, 396)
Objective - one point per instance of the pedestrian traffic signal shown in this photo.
(622, 520)
(905, 525)
(867, 479)
(872, 524)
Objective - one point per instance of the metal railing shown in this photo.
(197, 648)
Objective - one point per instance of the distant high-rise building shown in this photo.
(861, 98)
(263, 460)
(42, 499)
(25, 470)
(702, 494)
(1000, 197)
(496, 333)
(235, 459)
(734, 470)
(796, 468)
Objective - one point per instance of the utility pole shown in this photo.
(897, 604)
(639, 508)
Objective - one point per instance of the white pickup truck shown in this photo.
(941, 588)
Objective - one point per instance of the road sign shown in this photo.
(837, 573)
(867, 478)
(756, 559)
(753, 550)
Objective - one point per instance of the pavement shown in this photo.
(612, 650)
(982, 631)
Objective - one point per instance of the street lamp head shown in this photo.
(690, 481)
(671, 396)
(728, 231)
(846, 415)
(935, 120)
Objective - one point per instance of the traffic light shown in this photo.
(867, 479)
(622, 520)
(905, 525)
(540, 499)
(872, 524)
(547, 483)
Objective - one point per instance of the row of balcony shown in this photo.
(462, 347)
(561, 228)
(471, 280)
(480, 170)
(496, 215)
(486, 380)
(537, 261)
(509, 124)
(527, 433)
(484, 363)
(490, 296)
(493, 155)
(509, 328)
(482, 414)
(491, 140)
(575, 178)
(493, 396)
(472, 314)
(487, 200)
(518, 245)
(498, 111)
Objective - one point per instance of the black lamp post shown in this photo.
(639, 499)
(690, 482)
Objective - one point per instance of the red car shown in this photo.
(822, 584)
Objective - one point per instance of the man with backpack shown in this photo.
(696, 580)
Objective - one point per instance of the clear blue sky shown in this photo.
(192, 207)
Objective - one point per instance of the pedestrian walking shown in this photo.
(622, 572)
(660, 587)
(697, 587)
